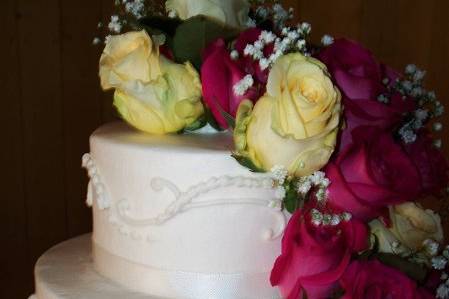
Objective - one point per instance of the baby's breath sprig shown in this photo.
(428, 107)
(125, 16)
(316, 181)
(440, 263)
(271, 11)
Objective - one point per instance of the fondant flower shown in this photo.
(295, 124)
(220, 74)
(361, 79)
(371, 174)
(374, 280)
(152, 93)
(231, 12)
(315, 256)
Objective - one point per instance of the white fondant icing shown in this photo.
(95, 184)
(66, 272)
(212, 227)
(182, 284)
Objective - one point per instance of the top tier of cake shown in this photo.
(177, 210)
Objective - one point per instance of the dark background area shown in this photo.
(51, 102)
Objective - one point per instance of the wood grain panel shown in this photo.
(438, 61)
(82, 104)
(13, 216)
(108, 112)
(43, 150)
(335, 17)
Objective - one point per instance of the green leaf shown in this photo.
(156, 25)
(210, 119)
(369, 253)
(160, 25)
(198, 124)
(292, 201)
(228, 117)
(411, 269)
(195, 34)
(304, 294)
(246, 162)
(337, 294)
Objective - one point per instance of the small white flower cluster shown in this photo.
(277, 13)
(281, 15)
(96, 41)
(279, 174)
(327, 40)
(431, 247)
(241, 87)
(256, 50)
(172, 14)
(279, 192)
(115, 26)
(443, 290)
(407, 131)
(135, 7)
(319, 218)
(317, 179)
(293, 39)
(251, 23)
(440, 263)
(411, 87)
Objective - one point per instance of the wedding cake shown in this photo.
(253, 164)
(174, 217)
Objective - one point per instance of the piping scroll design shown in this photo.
(95, 188)
(121, 212)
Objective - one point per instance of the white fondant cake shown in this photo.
(178, 217)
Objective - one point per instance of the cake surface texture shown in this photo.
(178, 217)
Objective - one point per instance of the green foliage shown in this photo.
(156, 25)
(198, 124)
(194, 35)
(210, 119)
(246, 162)
(292, 200)
(228, 117)
(412, 270)
(372, 251)
(160, 25)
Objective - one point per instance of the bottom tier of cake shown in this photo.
(66, 272)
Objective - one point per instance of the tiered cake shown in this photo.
(336, 141)
(166, 226)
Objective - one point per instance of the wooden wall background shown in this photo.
(51, 103)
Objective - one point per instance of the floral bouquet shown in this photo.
(347, 139)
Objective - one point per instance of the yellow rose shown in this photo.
(387, 241)
(411, 225)
(231, 12)
(129, 57)
(295, 124)
(152, 93)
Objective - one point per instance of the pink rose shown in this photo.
(314, 257)
(220, 73)
(430, 162)
(359, 76)
(374, 280)
(370, 174)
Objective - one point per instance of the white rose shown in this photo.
(231, 12)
